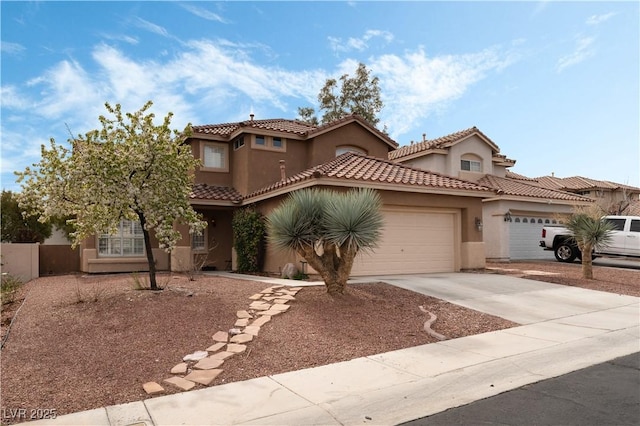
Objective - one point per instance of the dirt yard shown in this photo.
(82, 342)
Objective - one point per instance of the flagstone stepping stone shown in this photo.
(221, 355)
(286, 297)
(180, 368)
(280, 307)
(196, 356)
(270, 312)
(243, 314)
(204, 377)
(242, 338)
(221, 336)
(256, 296)
(261, 321)
(209, 363)
(181, 383)
(295, 288)
(280, 301)
(152, 388)
(261, 306)
(269, 298)
(242, 322)
(216, 347)
(236, 348)
(252, 330)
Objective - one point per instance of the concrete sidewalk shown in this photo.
(564, 329)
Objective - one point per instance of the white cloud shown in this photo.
(203, 13)
(121, 37)
(415, 85)
(582, 51)
(151, 27)
(597, 19)
(359, 43)
(11, 48)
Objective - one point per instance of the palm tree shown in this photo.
(328, 229)
(591, 232)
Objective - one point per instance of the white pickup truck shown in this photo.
(625, 240)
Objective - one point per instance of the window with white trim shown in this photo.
(127, 241)
(470, 165)
(215, 157)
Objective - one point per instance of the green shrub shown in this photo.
(10, 286)
(248, 239)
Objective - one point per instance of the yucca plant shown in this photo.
(328, 229)
(591, 232)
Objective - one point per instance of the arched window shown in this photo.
(525, 220)
(471, 163)
(349, 148)
(518, 220)
(539, 220)
(546, 221)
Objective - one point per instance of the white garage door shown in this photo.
(525, 233)
(412, 242)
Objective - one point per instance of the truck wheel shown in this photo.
(565, 252)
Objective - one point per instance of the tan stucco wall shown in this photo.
(21, 260)
(323, 147)
(91, 263)
(471, 250)
(432, 162)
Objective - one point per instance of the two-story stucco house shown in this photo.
(433, 219)
(514, 215)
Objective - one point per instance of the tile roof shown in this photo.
(276, 124)
(516, 176)
(439, 143)
(507, 186)
(355, 168)
(288, 126)
(577, 183)
(202, 191)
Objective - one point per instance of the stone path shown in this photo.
(202, 367)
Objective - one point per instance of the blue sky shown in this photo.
(554, 84)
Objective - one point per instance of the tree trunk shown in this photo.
(587, 262)
(333, 269)
(153, 285)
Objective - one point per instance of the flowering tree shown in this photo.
(130, 169)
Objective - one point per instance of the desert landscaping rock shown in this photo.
(221, 336)
(152, 388)
(242, 338)
(256, 296)
(252, 330)
(280, 301)
(204, 377)
(243, 314)
(216, 347)
(286, 297)
(260, 306)
(236, 348)
(180, 368)
(209, 363)
(196, 356)
(181, 383)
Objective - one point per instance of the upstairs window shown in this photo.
(215, 157)
(348, 148)
(269, 143)
(470, 165)
(127, 241)
(238, 142)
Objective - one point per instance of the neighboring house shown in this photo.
(433, 221)
(612, 197)
(514, 216)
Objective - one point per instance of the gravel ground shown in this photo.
(82, 342)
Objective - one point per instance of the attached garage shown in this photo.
(524, 238)
(413, 241)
